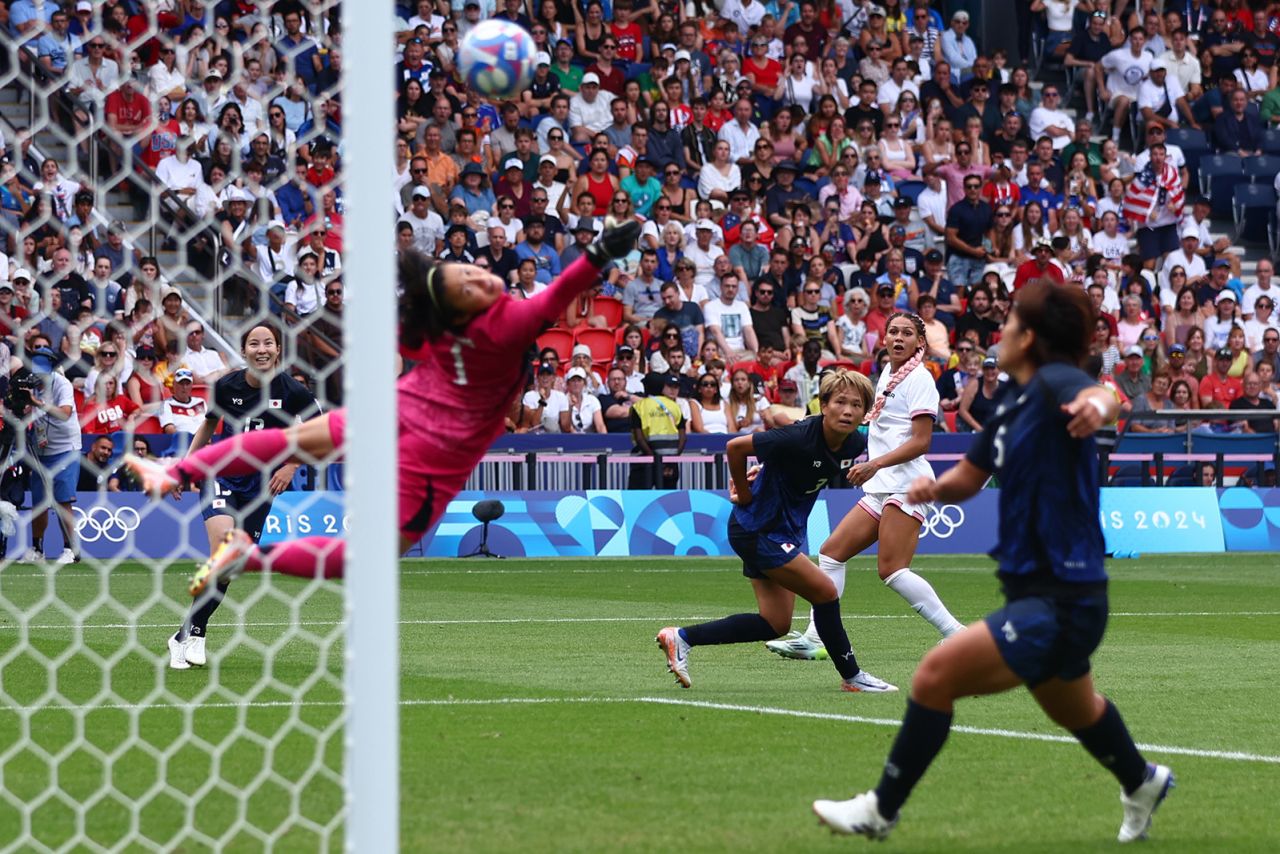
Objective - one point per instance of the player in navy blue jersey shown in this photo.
(258, 397)
(767, 530)
(1050, 564)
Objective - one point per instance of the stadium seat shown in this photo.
(911, 190)
(1182, 476)
(1262, 170)
(1271, 140)
(1152, 443)
(843, 363)
(951, 416)
(560, 340)
(1131, 474)
(610, 308)
(600, 341)
(1253, 208)
(1219, 175)
(1233, 443)
(1194, 145)
(149, 426)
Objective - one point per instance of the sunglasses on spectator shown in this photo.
(707, 385)
(507, 206)
(542, 199)
(469, 114)
(964, 349)
(812, 291)
(671, 335)
(334, 293)
(108, 354)
(555, 136)
(1002, 214)
(973, 186)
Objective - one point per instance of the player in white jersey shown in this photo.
(900, 430)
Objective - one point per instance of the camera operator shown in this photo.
(53, 447)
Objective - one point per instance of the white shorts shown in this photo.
(875, 502)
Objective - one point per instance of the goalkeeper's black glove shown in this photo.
(615, 243)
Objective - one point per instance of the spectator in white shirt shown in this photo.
(728, 322)
(183, 412)
(206, 364)
(589, 111)
(1048, 120)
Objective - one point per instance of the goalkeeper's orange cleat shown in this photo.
(227, 562)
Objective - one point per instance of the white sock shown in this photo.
(835, 571)
(923, 600)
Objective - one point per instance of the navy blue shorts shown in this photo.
(249, 509)
(762, 552)
(1154, 242)
(1041, 637)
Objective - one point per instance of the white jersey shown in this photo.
(915, 395)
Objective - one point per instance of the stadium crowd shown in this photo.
(801, 170)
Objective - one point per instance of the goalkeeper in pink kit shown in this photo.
(469, 338)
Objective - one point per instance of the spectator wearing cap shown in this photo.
(658, 426)
(145, 386)
(544, 403)
(1134, 380)
(589, 112)
(472, 191)
(981, 395)
(1161, 99)
(1219, 389)
(702, 253)
(304, 293)
(1218, 326)
(427, 225)
(582, 413)
(172, 318)
(1188, 258)
(584, 233)
(535, 248)
(781, 196)
(1220, 282)
(1040, 266)
(545, 85)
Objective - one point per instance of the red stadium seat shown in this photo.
(841, 363)
(149, 426)
(610, 308)
(865, 367)
(950, 417)
(601, 343)
(560, 340)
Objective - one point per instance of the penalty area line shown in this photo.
(444, 702)
(504, 621)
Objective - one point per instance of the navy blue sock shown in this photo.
(923, 733)
(740, 628)
(826, 619)
(1109, 742)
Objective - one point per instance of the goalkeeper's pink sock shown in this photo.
(246, 453)
(309, 557)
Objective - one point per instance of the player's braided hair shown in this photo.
(425, 314)
(907, 367)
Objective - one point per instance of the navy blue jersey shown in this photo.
(797, 465)
(243, 407)
(1048, 482)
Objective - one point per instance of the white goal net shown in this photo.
(172, 194)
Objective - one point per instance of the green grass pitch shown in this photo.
(538, 715)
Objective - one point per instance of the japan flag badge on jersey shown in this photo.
(275, 404)
(844, 464)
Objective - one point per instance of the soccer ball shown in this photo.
(497, 58)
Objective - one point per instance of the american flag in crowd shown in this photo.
(1149, 193)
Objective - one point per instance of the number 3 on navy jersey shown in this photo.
(459, 366)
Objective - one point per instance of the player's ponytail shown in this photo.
(906, 368)
(425, 314)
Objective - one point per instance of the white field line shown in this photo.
(995, 732)
(501, 621)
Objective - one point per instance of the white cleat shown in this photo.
(677, 650)
(154, 477)
(177, 653)
(860, 815)
(31, 556)
(1139, 807)
(865, 683)
(797, 646)
(194, 650)
(66, 557)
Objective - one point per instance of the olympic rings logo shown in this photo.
(944, 522)
(102, 523)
